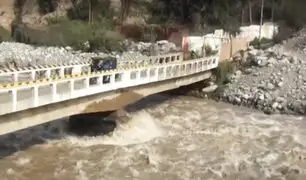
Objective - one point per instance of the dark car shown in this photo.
(103, 64)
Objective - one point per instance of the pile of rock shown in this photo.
(296, 43)
(156, 48)
(21, 55)
(273, 81)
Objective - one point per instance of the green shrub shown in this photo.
(76, 33)
(46, 6)
(100, 9)
(55, 19)
(220, 77)
(222, 71)
(74, 29)
(24, 34)
(284, 32)
(71, 33)
(5, 35)
(106, 41)
(152, 33)
(264, 43)
(209, 51)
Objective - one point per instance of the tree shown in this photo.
(90, 14)
(243, 10)
(250, 3)
(125, 10)
(294, 13)
(90, 10)
(47, 6)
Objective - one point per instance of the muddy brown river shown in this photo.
(180, 138)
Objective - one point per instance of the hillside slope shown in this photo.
(6, 13)
(33, 16)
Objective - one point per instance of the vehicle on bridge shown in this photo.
(102, 64)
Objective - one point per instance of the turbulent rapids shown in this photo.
(183, 138)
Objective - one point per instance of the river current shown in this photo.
(180, 138)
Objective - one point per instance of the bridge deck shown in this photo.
(22, 95)
(28, 99)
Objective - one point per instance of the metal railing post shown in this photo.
(15, 77)
(48, 73)
(71, 86)
(86, 82)
(62, 72)
(14, 99)
(54, 92)
(35, 94)
(33, 73)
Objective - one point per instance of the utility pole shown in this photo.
(261, 17)
(272, 16)
(272, 13)
(89, 12)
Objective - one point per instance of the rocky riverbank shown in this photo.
(272, 80)
(24, 55)
(273, 83)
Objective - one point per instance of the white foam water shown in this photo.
(23, 161)
(181, 139)
(140, 128)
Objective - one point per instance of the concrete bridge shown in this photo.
(37, 95)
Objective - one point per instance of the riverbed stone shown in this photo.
(279, 86)
(210, 88)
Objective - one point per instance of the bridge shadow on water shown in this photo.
(93, 124)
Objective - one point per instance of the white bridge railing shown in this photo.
(33, 73)
(24, 95)
(48, 71)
